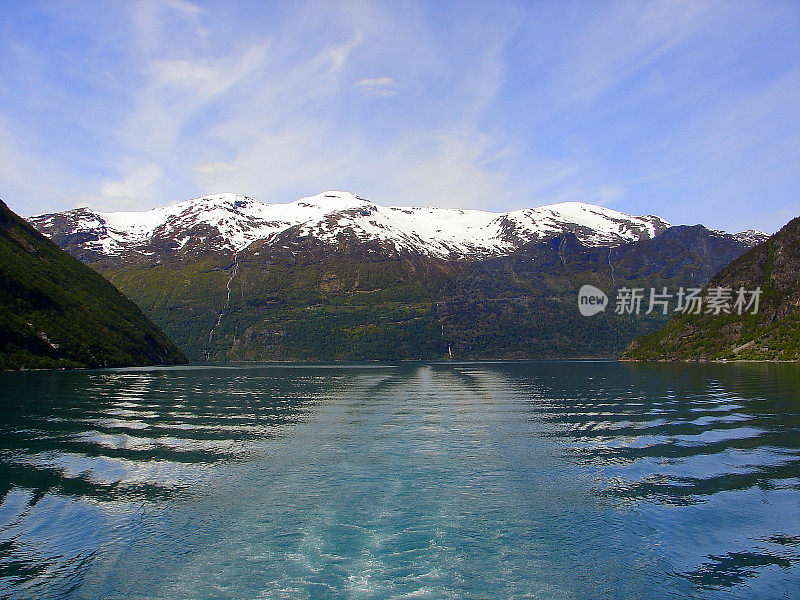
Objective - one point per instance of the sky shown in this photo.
(685, 109)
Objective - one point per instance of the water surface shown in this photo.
(529, 480)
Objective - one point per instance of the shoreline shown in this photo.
(376, 363)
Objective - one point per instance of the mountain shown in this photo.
(772, 333)
(56, 312)
(334, 276)
(233, 222)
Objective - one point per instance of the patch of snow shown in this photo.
(442, 232)
(752, 237)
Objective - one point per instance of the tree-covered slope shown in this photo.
(295, 298)
(773, 333)
(55, 312)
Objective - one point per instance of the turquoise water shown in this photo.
(528, 480)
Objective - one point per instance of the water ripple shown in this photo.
(528, 480)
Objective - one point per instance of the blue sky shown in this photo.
(689, 110)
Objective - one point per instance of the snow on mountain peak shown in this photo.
(443, 232)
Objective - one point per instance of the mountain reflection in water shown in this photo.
(505, 480)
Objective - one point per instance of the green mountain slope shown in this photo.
(55, 312)
(771, 334)
(298, 299)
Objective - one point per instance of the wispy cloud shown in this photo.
(377, 87)
(137, 182)
(668, 107)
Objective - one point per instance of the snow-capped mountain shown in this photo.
(750, 237)
(335, 276)
(232, 222)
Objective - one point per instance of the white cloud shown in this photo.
(619, 42)
(137, 182)
(454, 168)
(611, 193)
(496, 107)
(177, 90)
(217, 168)
(158, 22)
(377, 87)
(267, 116)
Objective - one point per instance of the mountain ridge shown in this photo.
(441, 232)
(772, 333)
(232, 279)
(306, 300)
